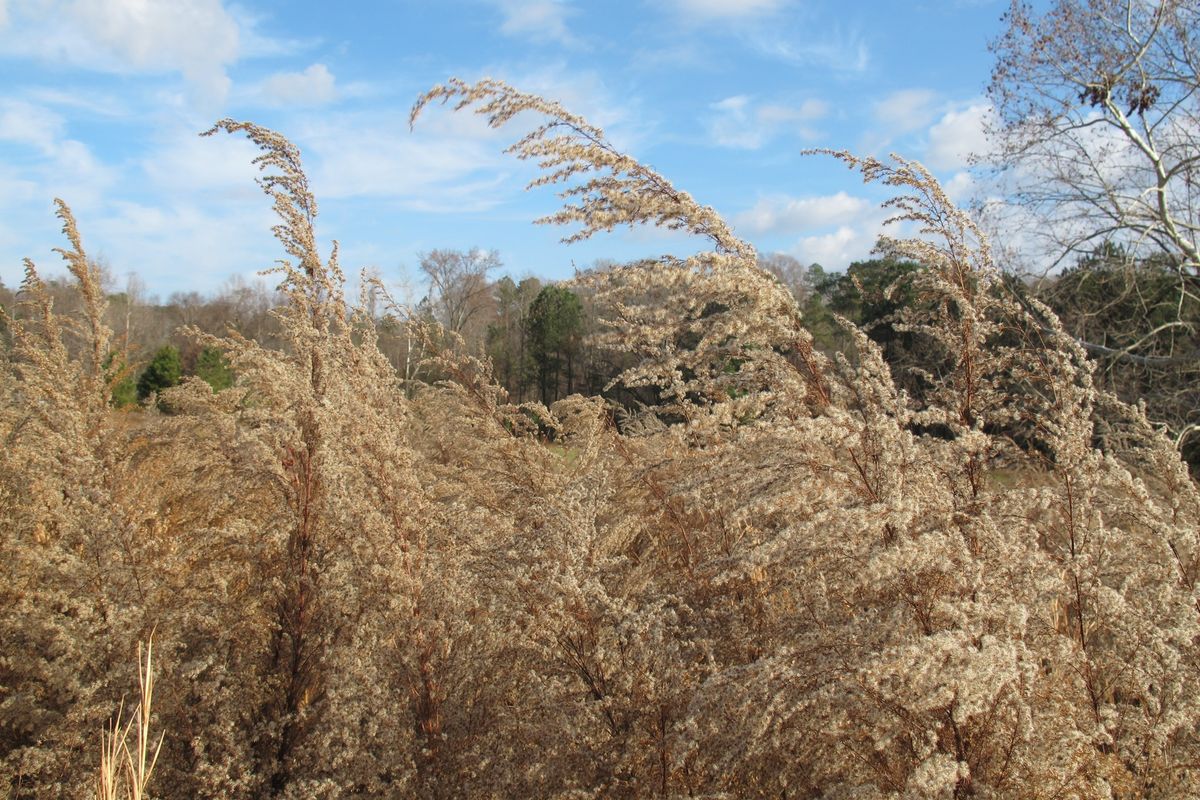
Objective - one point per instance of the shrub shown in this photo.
(164, 371)
(123, 391)
(212, 368)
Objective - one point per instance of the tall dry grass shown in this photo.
(809, 585)
(126, 767)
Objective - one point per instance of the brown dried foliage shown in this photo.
(810, 587)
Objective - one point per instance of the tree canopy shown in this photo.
(1098, 120)
(555, 330)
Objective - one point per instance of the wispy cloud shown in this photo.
(41, 163)
(835, 49)
(739, 122)
(313, 86)
(183, 164)
(789, 215)
(781, 30)
(906, 110)
(727, 9)
(733, 125)
(587, 93)
(63, 167)
(538, 20)
(102, 104)
(165, 240)
(28, 124)
(957, 136)
(450, 163)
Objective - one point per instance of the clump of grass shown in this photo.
(126, 766)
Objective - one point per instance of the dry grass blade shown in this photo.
(126, 768)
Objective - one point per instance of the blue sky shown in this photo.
(101, 101)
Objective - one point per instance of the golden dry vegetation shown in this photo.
(811, 585)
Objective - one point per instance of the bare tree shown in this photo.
(135, 297)
(459, 291)
(1098, 121)
(789, 271)
(1098, 124)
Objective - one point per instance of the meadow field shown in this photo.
(785, 577)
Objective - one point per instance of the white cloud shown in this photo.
(198, 38)
(740, 123)
(726, 9)
(184, 164)
(164, 241)
(313, 87)
(540, 20)
(783, 214)
(833, 230)
(29, 124)
(960, 187)
(836, 250)
(449, 163)
(906, 110)
(956, 136)
(64, 167)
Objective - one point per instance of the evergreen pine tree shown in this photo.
(164, 370)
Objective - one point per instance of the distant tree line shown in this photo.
(533, 332)
(1136, 317)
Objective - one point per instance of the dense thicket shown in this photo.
(1140, 322)
(814, 585)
